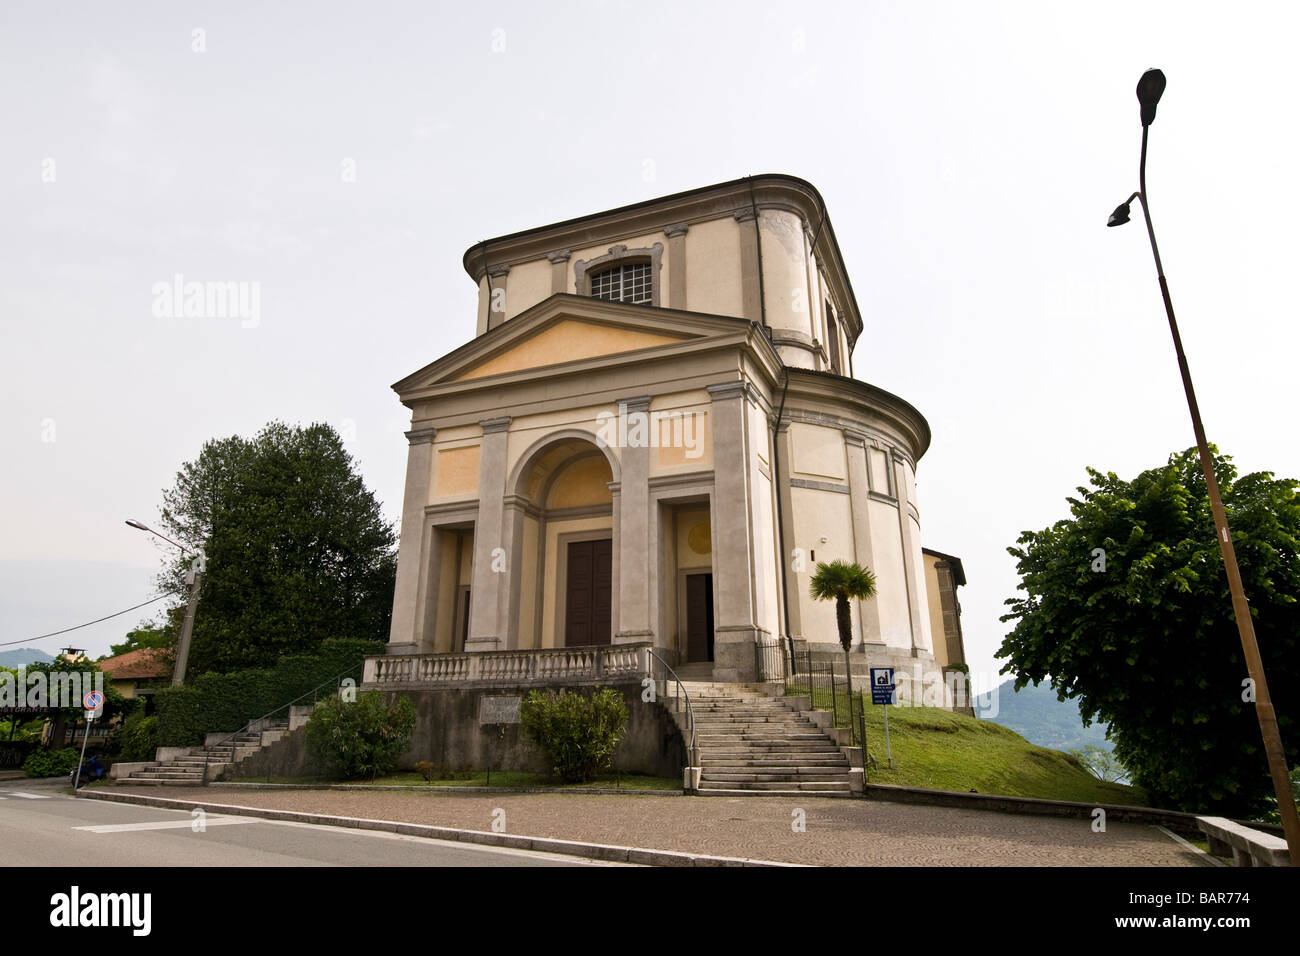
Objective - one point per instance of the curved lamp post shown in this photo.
(1149, 90)
(194, 578)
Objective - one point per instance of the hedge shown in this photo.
(215, 703)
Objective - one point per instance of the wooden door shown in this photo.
(699, 617)
(588, 600)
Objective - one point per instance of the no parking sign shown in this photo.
(94, 704)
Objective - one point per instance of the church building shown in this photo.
(654, 436)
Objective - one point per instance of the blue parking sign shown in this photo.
(882, 685)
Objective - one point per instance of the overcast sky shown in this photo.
(969, 154)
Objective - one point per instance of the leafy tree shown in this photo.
(363, 738)
(297, 549)
(842, 581)
(1099, 762)
(146, 636)
(1126, 608)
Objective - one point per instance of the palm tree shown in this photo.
(839, 581)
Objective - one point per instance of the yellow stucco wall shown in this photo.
(526, 285)
(935, 610)
(713, 274)
(455, 472)
(567, 341)
(583, 482)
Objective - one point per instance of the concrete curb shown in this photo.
(591, 851)
(255, 785)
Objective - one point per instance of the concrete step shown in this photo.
(746, 792)
(802, 760)
(800, 786)
(775, 774)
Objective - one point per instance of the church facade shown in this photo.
(654, 437)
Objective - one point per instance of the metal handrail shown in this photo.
(207, 748)
(692, 749)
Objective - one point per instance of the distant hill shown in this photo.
(1035, 714)
(23, 656)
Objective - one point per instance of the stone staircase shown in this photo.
(752, 743)
(187, 770)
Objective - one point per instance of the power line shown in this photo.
(87, 624)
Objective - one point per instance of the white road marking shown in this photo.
(210, 821)
(27, 796)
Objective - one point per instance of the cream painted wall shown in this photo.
(818, 452)
(527, 284)
(925, 640)
(879, 471)
(713, 279)
(891, 585)
(785, 274)
(817, 515)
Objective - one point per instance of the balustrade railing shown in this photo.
(544, 665)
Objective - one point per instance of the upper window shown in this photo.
(625, 283)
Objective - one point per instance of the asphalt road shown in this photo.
(40, 825)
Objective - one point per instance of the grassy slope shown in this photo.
(941, 750)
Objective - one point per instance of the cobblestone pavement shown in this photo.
(839, 832)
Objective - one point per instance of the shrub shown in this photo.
(225, 702)
(427, 770)
(51, 763)
(361, 739)
(138, 738)
(578, 733)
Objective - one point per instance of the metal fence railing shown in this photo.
(830, 688)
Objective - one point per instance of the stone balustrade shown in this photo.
(556, 666)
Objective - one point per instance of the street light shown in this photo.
(194, 578)
(1149, 90)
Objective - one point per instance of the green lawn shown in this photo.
(940, 750)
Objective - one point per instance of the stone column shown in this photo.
(497, 296)
(632, 540)
(404, 635)
(490, 577)
(734, 628)
(676, 265)
(916, 604)
(559, 271)
(859, 502)
(751, 300)
(793, 586)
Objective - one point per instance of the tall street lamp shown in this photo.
(194, 578)
(1149, 90)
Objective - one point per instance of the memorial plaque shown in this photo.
(498, 710)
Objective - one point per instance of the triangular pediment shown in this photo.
(568, 333)
(567, 340)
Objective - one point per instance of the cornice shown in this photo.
(678, 212)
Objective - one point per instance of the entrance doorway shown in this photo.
(699, 617)
(588, 593)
